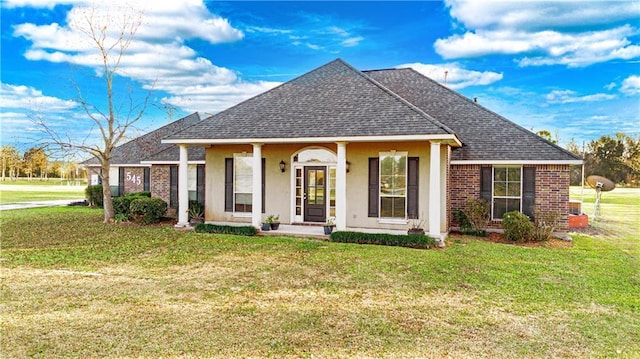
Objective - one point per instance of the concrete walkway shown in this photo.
(36, 204)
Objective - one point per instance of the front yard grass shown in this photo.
(75, 287)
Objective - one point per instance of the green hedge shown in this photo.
(122, 205)
(215, 228)
(94, 195)
(148, 210)
(402, 240)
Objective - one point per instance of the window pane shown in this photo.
(499, 207)
(386, 207)
(320, 178)
(499, 189)
(386, 185)
(513, 204)
(320, 195)
(500, 174)
(513, 174)
(513, 189)
(398, 207)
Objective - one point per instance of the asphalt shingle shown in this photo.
(139, 148)
(485, 135)
(332, 100)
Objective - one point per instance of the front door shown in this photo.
(315, 194)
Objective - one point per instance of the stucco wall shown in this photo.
(279, 190)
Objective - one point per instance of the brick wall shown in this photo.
(159, 185)
(133, 179)
(552, 190)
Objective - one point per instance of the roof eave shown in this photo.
(516, 162)
(450, 139)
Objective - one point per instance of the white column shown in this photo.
(256, 197)
(341, 187)
(434, 191)
(183, 188)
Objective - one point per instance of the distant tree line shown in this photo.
(615, 157)
(35, 163)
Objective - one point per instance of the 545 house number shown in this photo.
(133, 178)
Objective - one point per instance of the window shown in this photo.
(238, 184)
(393, 185)
(507, 190)
(242, 183)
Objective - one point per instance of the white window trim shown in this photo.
(392, 220)
(235, 213)
(493, 196)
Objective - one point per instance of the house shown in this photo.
(374, 149)
(147, 164)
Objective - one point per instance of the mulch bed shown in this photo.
(500, 238)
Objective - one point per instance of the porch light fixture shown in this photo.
(348, 165)
(282, 166)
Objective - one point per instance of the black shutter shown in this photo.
(529, 191)
(120, 181)
(374, 190)
(147, 179)
(485, 183)
(413, 210)
(228, 184)
(264, 176)
(200, 184)
(173, 186)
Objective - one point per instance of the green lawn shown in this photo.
(75, 287)
(28, 191)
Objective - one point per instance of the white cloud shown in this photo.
(24, 97)
(537, 15)
(157, 57)
(631, 85)
(352, 41)
(547, 33)
(610, 86)
(456, 76)
(568, 96)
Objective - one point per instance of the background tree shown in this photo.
(10, 161)
(547, 136)
(613, 157)
(575, 171)
(111, 38)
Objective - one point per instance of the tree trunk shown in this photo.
(109, 216)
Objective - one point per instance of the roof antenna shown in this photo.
(475, 99)
(446, 72)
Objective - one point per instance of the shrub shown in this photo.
(94, 195)
(517, 226)
(214, 228)
(196, 209)
(402, 240)
(139, 194)
(122, 205)
(544, 225)
(460, 217)
(478, 215)
(148, 210)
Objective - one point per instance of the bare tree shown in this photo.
(111, 124)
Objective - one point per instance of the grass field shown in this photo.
(75, 287)
(29, 191)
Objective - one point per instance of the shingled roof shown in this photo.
(486, 136)
(332, 101)
(134, 151)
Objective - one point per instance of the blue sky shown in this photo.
(571, 68)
